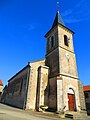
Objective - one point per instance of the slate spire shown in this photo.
(57, 20)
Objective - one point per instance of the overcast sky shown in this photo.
(23, 24)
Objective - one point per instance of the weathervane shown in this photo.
(57, 6)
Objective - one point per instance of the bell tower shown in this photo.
(52, 48)
(61, 60)
(60, 55)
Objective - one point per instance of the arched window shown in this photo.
(49, 43)
(66, 40)
(52, 41)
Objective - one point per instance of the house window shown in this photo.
(66, 41)
(87, 106)
(12, 92)
(86, 95)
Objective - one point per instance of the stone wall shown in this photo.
(87, 101)
(81, 96)
(17, 90)
(60, 97)
(52, 53)
(42, 87)
(68, 65)
(70, 83)
(53, 94)
(67, 59)
(61, 32)
(32, 85)
(52, 61)
(54, 33)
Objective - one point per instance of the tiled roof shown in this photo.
(1, 82)
(86, 88)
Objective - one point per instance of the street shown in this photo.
(11, 113)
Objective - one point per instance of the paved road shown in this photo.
(10, 113)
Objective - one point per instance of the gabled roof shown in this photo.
(86, 88)
(24, 69)
(19, 72)
(1, 82)
(57, 20)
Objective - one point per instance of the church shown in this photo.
(51, 82)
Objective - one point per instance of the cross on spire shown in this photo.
(58, 6)
(58, 19)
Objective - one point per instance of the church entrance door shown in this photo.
(71, 102)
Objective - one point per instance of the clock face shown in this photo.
(67, 55)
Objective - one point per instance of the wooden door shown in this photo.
(71, 102)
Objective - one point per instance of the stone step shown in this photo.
(76, 115)
(69, 116)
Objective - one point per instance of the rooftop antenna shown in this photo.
(57, 6)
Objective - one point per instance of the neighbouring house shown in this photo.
(54, 81)
(86, 90)
(1, 86)
(5, 93)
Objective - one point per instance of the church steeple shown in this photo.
(57, 20)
